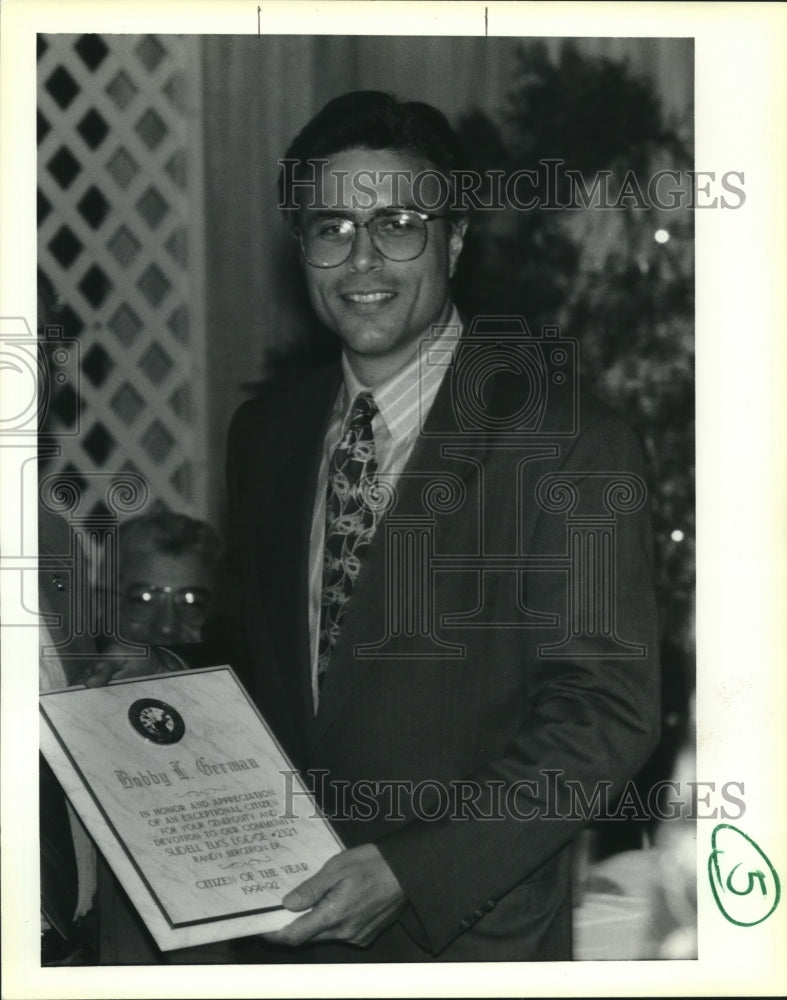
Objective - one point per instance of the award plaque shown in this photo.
(191, 800)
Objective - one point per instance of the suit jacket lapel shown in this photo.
(283, 550)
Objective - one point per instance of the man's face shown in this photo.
(381, 308)
(163, 598)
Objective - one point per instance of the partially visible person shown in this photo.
(68, 856)
(166, 574)
(673, 930)
(69, 934)
(673, 918)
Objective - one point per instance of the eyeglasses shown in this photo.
(327, 240)
(142, 603)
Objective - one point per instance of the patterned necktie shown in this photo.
(349, 521)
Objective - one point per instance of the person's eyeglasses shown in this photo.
(327, 240)
(142, 602)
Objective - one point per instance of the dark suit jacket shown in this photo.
(479, 887)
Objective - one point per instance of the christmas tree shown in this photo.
(617, 275)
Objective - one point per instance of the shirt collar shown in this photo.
(404, 400)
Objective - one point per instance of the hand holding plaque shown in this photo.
(351, 898)
(190, 798)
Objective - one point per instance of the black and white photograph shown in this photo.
(389, 501)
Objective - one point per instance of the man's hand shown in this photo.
(103, 671)
(353, 897)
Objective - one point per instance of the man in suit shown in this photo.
(444, 723)
(441, 565)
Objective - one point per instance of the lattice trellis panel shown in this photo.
(120, 236)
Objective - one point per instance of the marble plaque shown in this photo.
(191, 800)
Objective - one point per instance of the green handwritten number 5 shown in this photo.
(760, 876)
(744, 906)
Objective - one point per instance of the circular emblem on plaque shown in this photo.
(156, 721)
